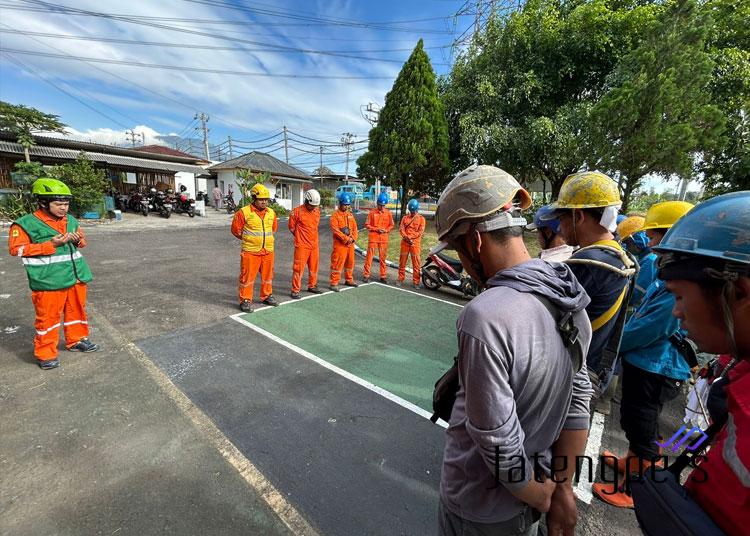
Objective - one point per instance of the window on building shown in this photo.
(283, 191)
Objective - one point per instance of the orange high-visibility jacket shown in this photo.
(239, 222)
(378, 220)
(340, 220)
(412, 227)
(303, 223)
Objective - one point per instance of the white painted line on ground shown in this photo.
(265, 307)
(341, 372)
(252, 476)
(593, 444)
(415, 293)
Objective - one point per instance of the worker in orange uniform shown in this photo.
(255, 225)
(411, 229)
(344, 229)
(48, 242)
(303, 224)
(379, 223)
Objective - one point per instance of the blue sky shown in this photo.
(100, 101)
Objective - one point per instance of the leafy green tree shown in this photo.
(408, 147)
(521, 95)
(87, 183)
(727, 166)
(657, 113)
(23, 121)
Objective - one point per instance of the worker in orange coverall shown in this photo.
(48, 242)
(411, 229)
(344, 229)
(255, 225)
(379, 223)
(303, 224)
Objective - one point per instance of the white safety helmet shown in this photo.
(313, 197)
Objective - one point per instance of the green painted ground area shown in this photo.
(399, 341)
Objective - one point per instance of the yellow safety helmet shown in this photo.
(629, 226)
(664, 215)
(587, 189)
(260, 192)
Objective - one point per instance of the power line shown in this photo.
(196, 69)
(35, 73)
(133, 20)
(202, 47)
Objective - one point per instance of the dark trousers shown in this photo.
(524, 524)
(643, 397)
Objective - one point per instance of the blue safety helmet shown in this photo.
(716, 232)
(413, 205)
(621, 218)
(382, 198)
(345, 199)
(540, 220)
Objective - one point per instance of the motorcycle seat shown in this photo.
(455, 263)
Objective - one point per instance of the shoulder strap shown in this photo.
(568, 331)
(628, 261)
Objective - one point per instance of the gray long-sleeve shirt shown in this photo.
(517, 389)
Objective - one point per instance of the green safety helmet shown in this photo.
(49, 189)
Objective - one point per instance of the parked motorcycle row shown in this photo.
(156, 201)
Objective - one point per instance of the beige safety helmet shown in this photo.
(480, 194)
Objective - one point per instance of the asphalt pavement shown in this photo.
(187, 422)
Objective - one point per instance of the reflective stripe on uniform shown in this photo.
(256, 233)
(44, 332)
(729, 452)
(50, 259)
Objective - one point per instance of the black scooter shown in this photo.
(441, 270)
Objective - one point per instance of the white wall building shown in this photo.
(287, 184)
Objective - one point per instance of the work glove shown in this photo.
(345, 230)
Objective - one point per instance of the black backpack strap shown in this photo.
(568, 331)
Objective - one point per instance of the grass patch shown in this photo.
(429, 239)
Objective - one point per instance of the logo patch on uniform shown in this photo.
(15, 233)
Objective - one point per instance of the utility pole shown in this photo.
(204, 118)
(286, 146)
(346, 141)
(231, 151)
(683, 189)
(131, 136)
(320, 169)
(478, 18)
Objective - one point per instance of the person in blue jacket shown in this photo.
(653, 371)
(636, 242)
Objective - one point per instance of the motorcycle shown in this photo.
(183, 203)
(163, 204)
(202, 196)
(137, 202)
(441, 270)
(229, 204)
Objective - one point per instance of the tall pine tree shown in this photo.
(408, 147)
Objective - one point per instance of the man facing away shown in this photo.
(379, 224)
(255, 225)
(507, 357)
(303, 224)
(411, 230)
(48, 242)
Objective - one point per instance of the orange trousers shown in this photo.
(249, 266)
(50, 305)
(342, 257)
(414, 250)
(382, 248)
(305, 257)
